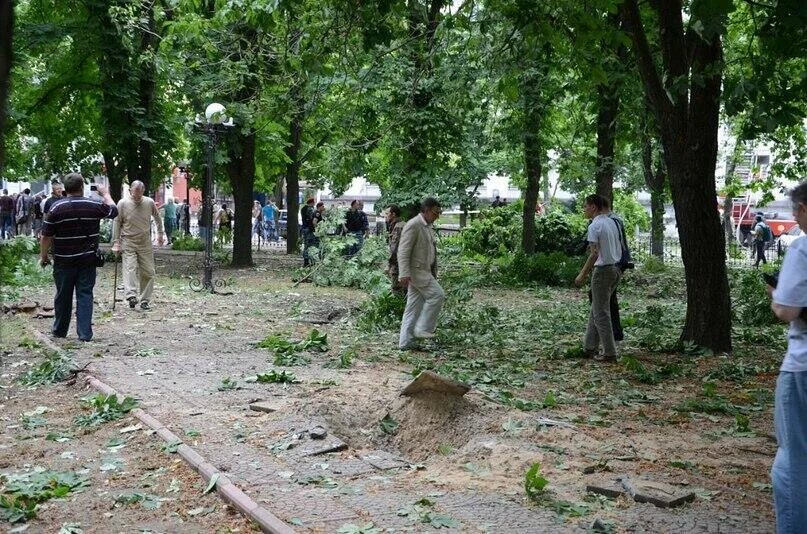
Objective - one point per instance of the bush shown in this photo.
(561, 231)
(750, 296)
(187, 242)
(498, 232)
(333, 268)
(495, 233)
(553, 268)
(381, 312)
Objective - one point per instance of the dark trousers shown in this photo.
(760, 247)
(80, 280)
(6, 225)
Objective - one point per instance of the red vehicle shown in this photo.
(743, 217)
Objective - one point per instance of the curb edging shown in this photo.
(231, 493)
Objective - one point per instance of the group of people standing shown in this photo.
(70, 232)
(21, 213)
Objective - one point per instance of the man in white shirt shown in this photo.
(417, 271)
(605, 252)
(789, 471)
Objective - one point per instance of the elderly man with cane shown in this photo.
(131, 234)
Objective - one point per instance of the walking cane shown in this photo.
(115, 283)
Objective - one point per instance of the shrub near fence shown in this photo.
(736, 255)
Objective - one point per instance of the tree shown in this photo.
(6, 57)
(685, 101)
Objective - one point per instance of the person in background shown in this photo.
(57, 193)
(6, 215)
(225, 220)
(417, 271)
(762, 238)
(307, 229)
(269, 215)
(357, 225)
(257, 220)
(394, 228)
(39, 201)
(72, 227)
(131, 233)
(25, 212)
(605, 252)
(169, 219)
(789, 304)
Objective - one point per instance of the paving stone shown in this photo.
(320, 446)
(642, 490)
(383, 460)
(266, 406)
(431, 381)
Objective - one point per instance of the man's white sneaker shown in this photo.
(424, 335)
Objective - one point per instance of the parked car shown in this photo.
(791, 235)
(283, 222)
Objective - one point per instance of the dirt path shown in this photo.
(189, 359)
(124, 479)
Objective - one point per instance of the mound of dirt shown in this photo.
(430, 419)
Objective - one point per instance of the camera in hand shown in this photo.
(772, 279)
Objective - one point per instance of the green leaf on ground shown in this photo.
(211, 484)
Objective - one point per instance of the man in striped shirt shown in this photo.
(72, 227)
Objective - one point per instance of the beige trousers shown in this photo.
(138, 271)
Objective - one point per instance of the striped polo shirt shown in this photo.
(74, 224)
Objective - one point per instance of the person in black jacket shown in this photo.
(357, 225)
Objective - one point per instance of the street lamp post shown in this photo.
(213, 124)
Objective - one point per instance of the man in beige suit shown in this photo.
(417, 271)
(131, 232)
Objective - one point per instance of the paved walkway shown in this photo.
(174, 358)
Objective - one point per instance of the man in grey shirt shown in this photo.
(605, 252)
(789, 471)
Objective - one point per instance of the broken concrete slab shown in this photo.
(265, 406)
(432, 382)
(314, 448)
(383, 460)
(642, 490)
(610, 488)
(317, 432)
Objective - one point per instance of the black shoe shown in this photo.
(132, 302)
(145, 305)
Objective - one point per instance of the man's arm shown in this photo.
(45, 242)
(592, 258)
(405, 253)
(116, 227)
(785, 314)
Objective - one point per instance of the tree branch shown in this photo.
(632, 21)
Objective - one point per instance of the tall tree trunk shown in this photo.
(293, 169)
(6, 58)
(114, 174)
(241, 170)
(531, 138)
(686, 105)
(607, 110)
(655, 181)
(146, 99)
